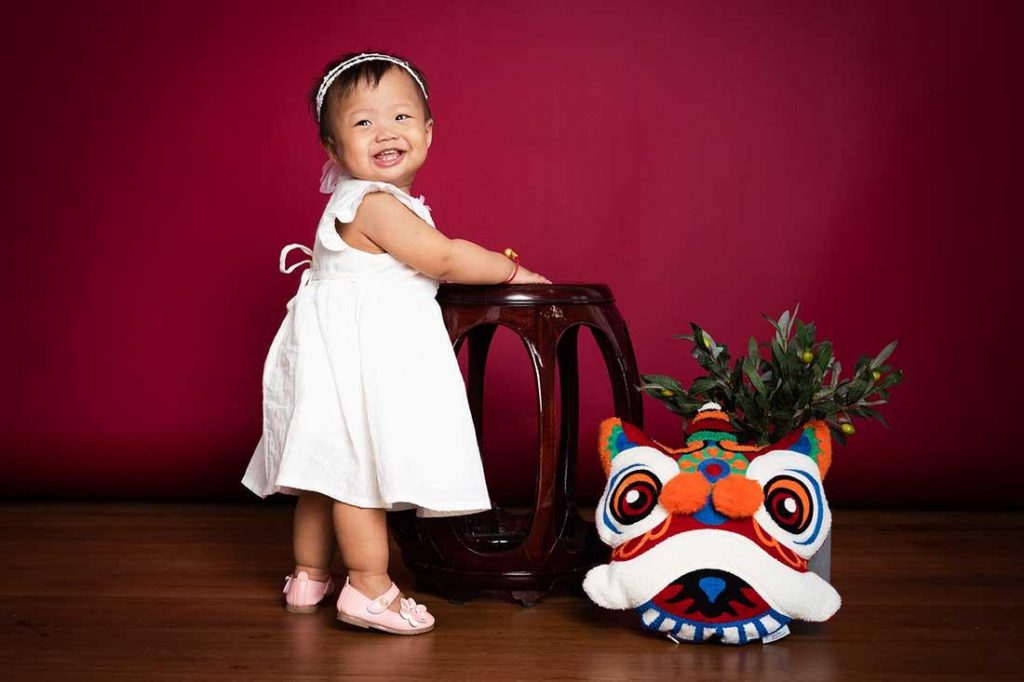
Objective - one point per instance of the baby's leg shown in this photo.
(363, 541)
(313, 536)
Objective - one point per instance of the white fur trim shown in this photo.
(628, 584)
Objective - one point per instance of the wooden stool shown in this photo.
(525, 553)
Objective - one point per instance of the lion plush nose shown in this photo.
(735, 495)
(685, 494)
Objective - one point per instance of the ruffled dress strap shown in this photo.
(346, 195)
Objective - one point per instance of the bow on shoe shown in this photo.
(413, 612)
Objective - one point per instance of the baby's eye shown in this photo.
(360, 123)
(400, 117)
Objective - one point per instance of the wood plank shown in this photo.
(174, 591)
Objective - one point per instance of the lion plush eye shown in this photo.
(629, 505)
(795, 511)
(635, 495)
(789, 503)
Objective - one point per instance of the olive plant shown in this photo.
(780, 384)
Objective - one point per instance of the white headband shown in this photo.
(359, 59)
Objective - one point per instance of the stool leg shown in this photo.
(543, 354)
(479, 343)
(613, 339)
(568, 378)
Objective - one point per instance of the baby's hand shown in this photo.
(525, 276)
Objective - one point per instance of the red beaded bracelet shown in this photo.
(514, 257)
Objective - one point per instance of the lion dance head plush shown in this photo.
(711, 541)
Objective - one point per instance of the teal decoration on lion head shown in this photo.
(710, 542)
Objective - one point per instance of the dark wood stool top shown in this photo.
(524, 294)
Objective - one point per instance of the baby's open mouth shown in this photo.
(389, 155)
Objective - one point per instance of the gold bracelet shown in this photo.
(514, 257)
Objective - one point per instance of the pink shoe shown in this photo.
(302, 595)
(356, 609)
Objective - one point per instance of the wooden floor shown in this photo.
(173, 592)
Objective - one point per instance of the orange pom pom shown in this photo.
(737, 496)
(685, 494)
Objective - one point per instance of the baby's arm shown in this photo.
(400, 232)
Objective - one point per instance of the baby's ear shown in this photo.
(430, 131)
(329, 148)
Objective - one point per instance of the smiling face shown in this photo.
(381, 133)
(711, 541)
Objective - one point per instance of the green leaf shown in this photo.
(702, 385)
(811, 332)
(755, 380)
(862, 366)
(803, 335)
(774, 324)
(837, 431)
(826, 408)
(883, 354)
(753, 351)
(661, 381)
(700, 337)
(681, 410)
(824, 356)
(784, 325)
(891, 379)
(869, 413)
(769, 390)
(783, 363)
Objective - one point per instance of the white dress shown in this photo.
(363, 399)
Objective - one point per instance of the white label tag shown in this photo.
(777, 635)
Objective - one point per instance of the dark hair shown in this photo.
(370, 72)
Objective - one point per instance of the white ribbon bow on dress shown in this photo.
(330, 176)
(288, 269)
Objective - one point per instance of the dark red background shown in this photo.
(709, 161)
